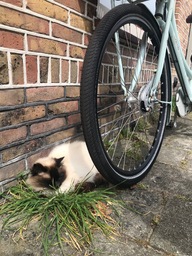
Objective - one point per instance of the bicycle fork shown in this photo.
(150, 88)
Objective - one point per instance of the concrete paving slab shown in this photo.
(157, 218)
(174, 231)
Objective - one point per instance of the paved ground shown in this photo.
(157, 219)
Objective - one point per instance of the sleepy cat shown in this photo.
(66, 166)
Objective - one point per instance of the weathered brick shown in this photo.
(44, 93)
(12, 170)
(12, 135)
(183, 28)
(47, 126)
(55, 70)
(80, 71)
(18, 116)
(17, 68)
(78, 6)
(37, 44)
(66, 33)
(48, 9)
(31, 69)
(72, 91)
(4, 78)
(80, 22)
(73, 72)
(12, 153)
(11, 40)
(10, 184)
(11, 97)
(44, 61)
(17, 19)
(59, 136)
(76, 52)
(14, 2)
(87, 39)
(73, 119)
(63, 107)
(65, 71)
(22, 149)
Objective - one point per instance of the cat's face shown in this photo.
(46, 173)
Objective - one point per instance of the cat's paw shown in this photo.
(66, 188)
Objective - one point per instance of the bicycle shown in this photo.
(126, 88)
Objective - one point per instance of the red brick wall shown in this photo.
(42, 46)
(183, 10)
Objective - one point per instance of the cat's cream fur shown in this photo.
(67, 165)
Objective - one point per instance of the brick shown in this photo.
(183, 28)
(65, 71)
(11, 97)
(14, 2)
(76, 52)
(37, 44)
(66, 33)
(33, 145)
(80, 71)
(55, 70)
(47, 126)
(17, 68)
(73, 119)
(73, 72)
(44, 61)
(44, 93)
(31, 69)
(12, 170)
(72, 92)
(9, 184)
(80, 22)
(48, 9)
(17, 19)
(22, 149)
(4, 78)
(59, 136)
(63, 107)
(18, 116)
(87, 39)
(78, 6)
(12, 135)
(11, 40)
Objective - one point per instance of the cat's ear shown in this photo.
(37, 168)
(58, 161)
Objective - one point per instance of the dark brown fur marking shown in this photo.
(47, 177)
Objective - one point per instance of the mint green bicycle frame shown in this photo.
(170, 33)
(170, 39)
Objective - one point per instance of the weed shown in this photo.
(69, 217)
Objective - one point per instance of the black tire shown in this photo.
(122, 136)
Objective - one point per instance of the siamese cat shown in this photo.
(67, 167)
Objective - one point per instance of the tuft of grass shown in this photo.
(69, 217)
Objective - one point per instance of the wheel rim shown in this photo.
(130, 137)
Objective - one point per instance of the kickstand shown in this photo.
(173, 122)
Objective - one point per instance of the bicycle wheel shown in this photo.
(124, 136)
